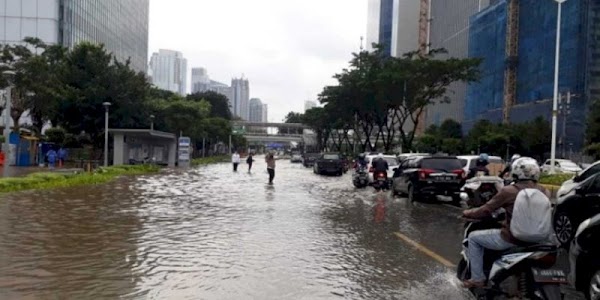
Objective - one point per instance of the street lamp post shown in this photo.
(152, 122)
(106, 106)
(555, 100)
(9, 74)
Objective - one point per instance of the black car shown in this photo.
(421, 176)
(308, 159)
(580, 205)
(329, 163)
(584, 260)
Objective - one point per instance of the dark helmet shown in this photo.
(362, 156)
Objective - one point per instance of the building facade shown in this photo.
(240, 96)
(168, 70)
(121, 25)
(256, 110)
(450, 28)
(379, 24)
(405, 27)
(265, 113)
(199, 75)
(201, 82)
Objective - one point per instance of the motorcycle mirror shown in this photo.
(464, 196)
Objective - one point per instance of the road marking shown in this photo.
(425, 250)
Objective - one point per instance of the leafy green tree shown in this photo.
(450, 129)
(181, 115)
(219, 103)
(592, 133)
(294, 117)
(56, 135)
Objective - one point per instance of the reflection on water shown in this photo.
(209, 233)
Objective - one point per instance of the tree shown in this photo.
(56, 135)
(180, 115)
(294, 117)
(219, 103)
(592, 133)
(450, 129)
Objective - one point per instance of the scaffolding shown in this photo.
(512, 59)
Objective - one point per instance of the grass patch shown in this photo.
(39, 181)
(210, 160)
(556, 179)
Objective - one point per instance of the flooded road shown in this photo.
(211, 234)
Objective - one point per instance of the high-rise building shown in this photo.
(265, 113)
(309, 104)
(199, 75)
(256, 110)
(380, 23)
(240, 95)
(168, 70)
(450, 28)
(405, 27)
(122, 26)
(201, 82)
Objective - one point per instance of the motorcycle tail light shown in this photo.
(424, 173)
(545, 260)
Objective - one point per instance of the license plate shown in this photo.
(549, 275)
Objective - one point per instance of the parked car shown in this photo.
(404, 156)
(567, 186)
(308, 159)
(561, 166)
(429, 176)
(296, 158)
(329, 163)
(496, 164)
(571, 210)
(584, 260)
(392, 163)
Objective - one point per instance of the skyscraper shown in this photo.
(405, 27)
(379, 26)
(201, 82)
(265, 113)
(121, 25)
(309, 104)
(199, 75)
(256, 110)
(168, 70)
(240, 95)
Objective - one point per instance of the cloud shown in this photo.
(289, 49)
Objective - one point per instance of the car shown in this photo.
(404, 156)
(429, 176)
(392, 163)
(495, 163)
(571, 210)
(584, 261)
(329, 163)
(568, 186)
(296, 158)
(561, 166)
(308, 159)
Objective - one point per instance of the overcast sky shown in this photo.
(288, 49)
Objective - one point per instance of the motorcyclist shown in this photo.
(380, 164)
(526, 173)
(507, 169)
(480, 168)
(361, 161)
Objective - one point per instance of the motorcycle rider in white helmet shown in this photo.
(526, 173)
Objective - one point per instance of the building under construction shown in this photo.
(516, 39)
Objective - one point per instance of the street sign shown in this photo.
(238, 130)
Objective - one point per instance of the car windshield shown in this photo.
(444, 164)
(568, 164)
(331, 156)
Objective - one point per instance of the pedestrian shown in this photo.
(235, 159)
(62, 156)
(249, 161)
(52, 156)
(270, 167)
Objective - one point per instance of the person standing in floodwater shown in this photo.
(235, 159)
(249, 161)
(270, 167)
(62, 156)
(52, 156)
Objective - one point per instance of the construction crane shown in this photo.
(512, 59)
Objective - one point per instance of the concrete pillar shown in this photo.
(172, 153)
(120, 149)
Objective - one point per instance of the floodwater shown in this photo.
(209, 233)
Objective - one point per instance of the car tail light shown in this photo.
(424, 173)
(460, 173)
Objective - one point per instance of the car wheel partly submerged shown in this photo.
(564, 228)
(594, 292)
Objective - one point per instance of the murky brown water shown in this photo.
(212, 234)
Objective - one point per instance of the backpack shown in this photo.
(532, 217)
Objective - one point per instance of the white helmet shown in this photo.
(514, 158)
(526, 168)
(380, 155)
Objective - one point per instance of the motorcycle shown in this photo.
(380, 180)
(480, 190)
(527, 272)
(360, 178)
